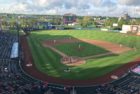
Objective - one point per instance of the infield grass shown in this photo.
(85, 49)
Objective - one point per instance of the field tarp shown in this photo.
(14, 51)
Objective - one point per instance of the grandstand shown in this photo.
(6, 40)
(13, 80)
(129, 84)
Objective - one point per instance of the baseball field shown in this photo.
(102, 52)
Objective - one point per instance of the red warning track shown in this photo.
(34, 72)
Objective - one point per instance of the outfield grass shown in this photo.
(86, 49)
(48, 61)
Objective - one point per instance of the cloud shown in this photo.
(129, 2)
(69, 5)
(79, 7)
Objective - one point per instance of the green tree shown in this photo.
(110, 21)
(79, 21)
(137, 21)
(122, 22)
(87, 20)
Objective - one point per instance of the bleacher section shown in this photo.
(13, 80)
(130, 84)
(6, 42)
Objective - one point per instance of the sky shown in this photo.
(78, 7)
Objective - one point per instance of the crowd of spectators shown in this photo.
(129, 84)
